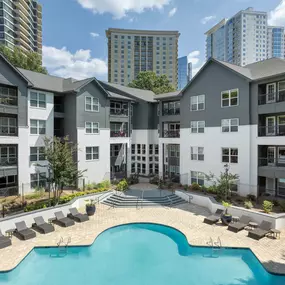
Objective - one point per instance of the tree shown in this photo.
(223, 182)
(27, 60)
(62, 169)
(148, 80)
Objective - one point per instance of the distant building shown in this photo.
(189, 71)
(133, 51)
(183, 72)
(21, 24)
(244, 39)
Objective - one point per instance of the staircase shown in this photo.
(123, 201)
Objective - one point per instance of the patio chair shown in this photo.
(260, 232)
(213, 219)
(62, 220)
(236, 227)
(78, 217)
(42, 226)
(23, 232)
(4, 241)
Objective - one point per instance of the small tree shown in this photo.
(63, 171)
(223, 182)
(148, 80)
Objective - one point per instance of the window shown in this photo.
(133, 148)
(156, 168)
(138, 168)
(8, 126)
(37, 99)
(230, 98)
(197, 103)
(150, 149)
(138, 148)
(197, 153)
(230, 125)
(143, 168)
(156, 149)
(171, 108)
(138, 158)
(197, 177)
(38, 180)
(37, 127)
(197, 127)
(143, 148)
(174, 150)
(230, 155)
(150, 168)
(8, 155)
(37, 153)
(92, 153)
(91, 128)
(91, 104)
(133, 168)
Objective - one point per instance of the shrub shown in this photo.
(248, 205)
(212, 189)
(226, 205)
(276, 203)
(185, 187)
(122, 185)
(170, 185)
(90, 186)
(195, 186)
(282, 206)
(251, 197)
(36, 195)
(104, 184)
(35, 206)
(267, 206)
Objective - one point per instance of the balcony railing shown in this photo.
(269, 131)
(58, 133)
(171, 134)
(278, 191)
(119, 134)
(275, 162)
(118, 112)
(8, 100)
(59, 108)
(169, 112)
(271, 98)
(9, 161)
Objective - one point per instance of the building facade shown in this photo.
(180, 136)
(244, 39)
(133, 51)
(183, 72)
(21, 24)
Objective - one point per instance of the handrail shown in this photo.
(170, 201)
(104, 195)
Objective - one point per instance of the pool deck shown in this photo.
(187, 218)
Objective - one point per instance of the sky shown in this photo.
(74, 41)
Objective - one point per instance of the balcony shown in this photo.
(119, 108)
(7, 98)
(59, 108)
(171, 134)
(119, 134)
(118, 112)
(171, 108)
(170, 112)
(270, 98)
(272, 161)
(271, 131)
(8, 161)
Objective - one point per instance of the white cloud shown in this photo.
(79, 65)
(207, 19)
(194, 57)
(196, 69)
(172, 12)
(277, 16)
(94, 35)
(120, 8)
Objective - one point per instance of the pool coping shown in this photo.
(153, 223)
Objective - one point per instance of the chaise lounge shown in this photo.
(4, 241)
(62, 220)
(23, 232)
(42, 226)
(213, 219)
(78, 217)
(236, 227)
(262, 231)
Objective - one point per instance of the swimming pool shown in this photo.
(140, 254)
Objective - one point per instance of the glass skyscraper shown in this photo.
(275, 42)
(182, 72)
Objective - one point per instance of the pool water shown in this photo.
(140, 254)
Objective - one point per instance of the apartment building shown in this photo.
(181, 136)
(21, 24)
(244, 39)
(133, 51)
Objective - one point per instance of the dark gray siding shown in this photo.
(70, 116)
(83, 116)
(211, 82)
(145, 116)
(8, 74)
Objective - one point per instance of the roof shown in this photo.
(177, 93)
(141, 32)
(118, 96)
(239, 69)
(145, 95)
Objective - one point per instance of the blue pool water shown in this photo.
(140, 254)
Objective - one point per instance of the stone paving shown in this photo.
(187, 218)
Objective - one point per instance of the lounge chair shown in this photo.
(42, 226)
(78, 217)
(4, 241)
(62, 220)
(236, 227)
(214, 218)
(260, 232)
(23, 232)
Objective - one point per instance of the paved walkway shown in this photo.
(187, 218)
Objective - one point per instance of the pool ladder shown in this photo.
(216, 246)
(62, 247)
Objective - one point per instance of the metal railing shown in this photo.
(268, 161)
(274, 192)
(268, 131)
(59, 108)
(9, 161)
(271, 98)
(8, 131)
(8, 100)
(169, 112)
(119, 112)
(171, 134)
(121, 134)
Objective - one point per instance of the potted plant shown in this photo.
(90, 207)
(226, 217)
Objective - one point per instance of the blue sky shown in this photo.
(74, 42)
